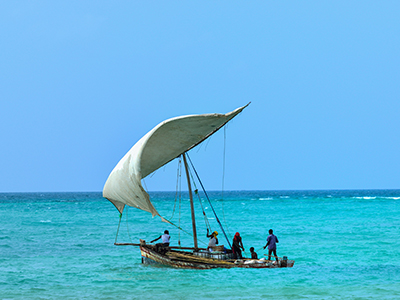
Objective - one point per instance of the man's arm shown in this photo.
(267, 244)
(156, 239)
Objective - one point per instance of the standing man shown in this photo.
(237, 245)
(271, 243)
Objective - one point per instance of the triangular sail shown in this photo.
(162, 144)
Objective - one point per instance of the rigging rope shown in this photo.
(180, 199)
(180, 228)
(262, 248)
(127, 227)
(119, 223)
(223, 183)
(196, 191)
(208, 226)
(178, 180)
(215, 214)
(223, 164)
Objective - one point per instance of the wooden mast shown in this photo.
(191, 202)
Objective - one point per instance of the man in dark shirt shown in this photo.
(237, 245)
(271, 243)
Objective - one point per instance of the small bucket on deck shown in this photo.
(284, 262)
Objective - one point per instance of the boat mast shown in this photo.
(191, 202)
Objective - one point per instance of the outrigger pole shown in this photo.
(191, 202)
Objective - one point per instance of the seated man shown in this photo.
(253, 254)
(165, 240)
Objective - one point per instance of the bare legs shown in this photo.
(270, 251)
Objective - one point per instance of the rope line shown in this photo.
(223, 183)
(208, 226)
(188, 233)
(223, 165)
(215, 214)
(262, 248)
(127, 227)
(178, 178)
(196, 191)
(119, 223)
(180, 202)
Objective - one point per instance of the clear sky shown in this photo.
(82, 81)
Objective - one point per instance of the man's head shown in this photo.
(271, 231)
(251, 249)
(166, 232)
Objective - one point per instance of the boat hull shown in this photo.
(186, 260)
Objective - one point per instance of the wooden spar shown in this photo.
(170, 247)
(191, 202)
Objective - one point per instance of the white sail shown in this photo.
(162, 144)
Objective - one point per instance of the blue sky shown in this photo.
(82, 81)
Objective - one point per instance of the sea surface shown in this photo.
(346, 245)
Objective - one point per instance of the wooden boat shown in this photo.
(192, 260)
(171, 139)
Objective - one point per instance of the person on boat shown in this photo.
(253, 254)
(165, 240)
(237, 245)
(271, 243)
(213, 240)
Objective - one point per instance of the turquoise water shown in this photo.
(61, 245)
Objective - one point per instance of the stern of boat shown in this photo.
(147, 256)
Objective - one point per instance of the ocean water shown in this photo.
(345, 245)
